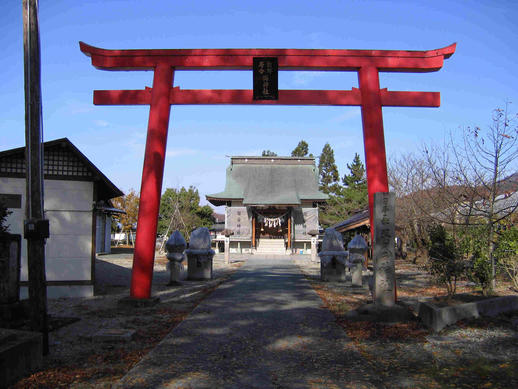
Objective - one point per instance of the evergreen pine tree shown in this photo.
(301, 150)
(355, 186)
(357, 173)
(327, 170)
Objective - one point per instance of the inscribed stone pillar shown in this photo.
(313, 249)
(384, 268)
(227, 249)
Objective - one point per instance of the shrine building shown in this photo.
(271, 204)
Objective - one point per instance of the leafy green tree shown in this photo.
(129, 203)
(268, 153)
(180, 210)
(301, 150)
(327, 170)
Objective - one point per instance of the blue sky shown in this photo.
(479, 77)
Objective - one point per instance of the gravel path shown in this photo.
(264, 328)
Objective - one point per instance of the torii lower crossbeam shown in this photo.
(368, 64)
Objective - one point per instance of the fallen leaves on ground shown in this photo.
(400, 352)
(101, 362)
(366, 330)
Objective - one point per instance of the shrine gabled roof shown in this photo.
(62, 160)
(270, 181)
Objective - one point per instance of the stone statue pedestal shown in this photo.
(199, 255)
(176, 270)
(332, 267)
(175, 247)
(333, 257)
(357, 249)
(199, 266)
(356, 274)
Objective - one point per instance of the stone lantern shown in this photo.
(175, 247)
(227, 233)
(333, 257)
(199, 255)
(357, 249)
(314, 239)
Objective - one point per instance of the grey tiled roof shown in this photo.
(270, 181)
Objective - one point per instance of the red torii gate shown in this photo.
(368, 64)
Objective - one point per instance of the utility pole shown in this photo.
(36, 229)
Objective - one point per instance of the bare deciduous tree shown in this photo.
(460, 182)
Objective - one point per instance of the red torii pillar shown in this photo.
(368, 64)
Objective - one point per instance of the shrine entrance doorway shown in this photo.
(369, 95)
(272, 223)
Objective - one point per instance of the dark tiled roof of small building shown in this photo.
(358, 219)
(62, 160)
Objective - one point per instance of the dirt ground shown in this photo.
(78, 360)
(474, 353)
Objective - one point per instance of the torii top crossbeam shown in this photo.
(368, 64)
(289, 59)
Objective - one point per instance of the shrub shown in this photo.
(480, 272)
(507, 254)
(445, 263)
(473, 243)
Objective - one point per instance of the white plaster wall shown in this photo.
(62, 291)
(68, 207)
(241, 247)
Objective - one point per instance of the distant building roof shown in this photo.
(357, 220)
(62, 160)
(270, 181)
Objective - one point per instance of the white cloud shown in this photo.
(304, 78)
(101, 123)
(350, 113)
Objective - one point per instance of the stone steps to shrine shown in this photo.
(271, 246)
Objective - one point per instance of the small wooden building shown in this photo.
(359, 223)
(271, 204)
(76, 203)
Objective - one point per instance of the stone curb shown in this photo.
(437, 318)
